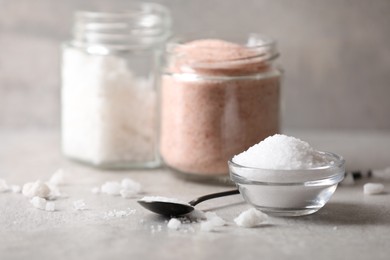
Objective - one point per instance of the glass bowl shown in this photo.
(289, 192)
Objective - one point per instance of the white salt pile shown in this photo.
(79, 205)
(212, 223)
(174, 224)
(127, 188)
(101, 104)
(373, 188)
(251, 218)
(281, 152)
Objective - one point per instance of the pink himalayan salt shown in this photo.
(206, 121)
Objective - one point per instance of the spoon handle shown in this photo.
(212, 196)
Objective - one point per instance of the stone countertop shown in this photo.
(351, 226)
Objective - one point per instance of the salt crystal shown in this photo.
(54, 191)
(348, 180)
(174, 223)
(79, 205)
(119, 213)
(3, 186)
(373, 188)
(111, 188)
(251, 218)
(58, 178)
(129, 184)
(281, 152)
(130, 188)
(16, 188)
(36, 189)
(38, 202)
(213, 221)
(196, 215)
(50, 206)
(95, 190)
(127, 193)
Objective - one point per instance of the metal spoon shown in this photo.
(173, 209)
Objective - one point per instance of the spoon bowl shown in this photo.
(172, 207)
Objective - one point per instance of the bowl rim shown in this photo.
(283, 176)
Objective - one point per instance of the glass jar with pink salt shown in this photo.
(218, 98)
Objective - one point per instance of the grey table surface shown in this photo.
(351, 226)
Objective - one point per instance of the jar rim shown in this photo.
(142, 24)
(220, 57)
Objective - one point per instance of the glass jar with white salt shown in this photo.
(109, 87)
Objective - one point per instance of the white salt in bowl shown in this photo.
(289, 192)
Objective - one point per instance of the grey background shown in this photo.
(336, 55)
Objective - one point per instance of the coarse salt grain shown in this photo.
(3, 186)
(119, 213)
(281, 152)
(58, 178)
(213, 221)
(174, 223)
(79, 205)
(36, 189)
(111, 188)
(50, 206)
(127, 188)
(16, 188)
(95, 190)
(38, 202)
(251, 218)
(348, 180)
(373, 188)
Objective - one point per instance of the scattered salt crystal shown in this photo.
(174, 223)
(58, 178)
(127, 188)
(36, 189)
(95, 190)
(348, 180)
(127, 193)
(251, 218)
(38, 202)
(16, 188)
(119, 213)
(111, 188)
(281, 152)
(196, 215)
(130, 188)
(79, 205)
(54, 191)
(3, 186)
(213, 221)
(50, 206)
(129, 184)
(373, 188)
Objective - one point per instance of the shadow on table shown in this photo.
(337, 213)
